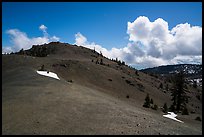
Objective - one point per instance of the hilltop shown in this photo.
(95, 95)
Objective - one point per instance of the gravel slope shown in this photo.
(35, 104)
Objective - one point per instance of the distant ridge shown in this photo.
(189, 69)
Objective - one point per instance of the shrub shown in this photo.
(110, 79)
(141, 87)
(127, 81)
(70, 81)
(127, 96)
(155, 107)
(198, 97)
(198, 119)
(63, 65)
(42, 68)
(185, 111)
(192, 112)
(132, 84)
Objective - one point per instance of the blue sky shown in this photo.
(104, 23)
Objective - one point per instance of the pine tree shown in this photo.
(151, 101)
(94, 50)
(101, 61)
(97, 61)
(155, 107)
(42, 68)
(179, 97)
(167, 87)
(194, 84)
(165, 108)
(172, 108)
(147, 102)
(101, 54)
(21, 51)
(136, 73)
(161, 86)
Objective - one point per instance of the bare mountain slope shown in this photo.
(89, 98)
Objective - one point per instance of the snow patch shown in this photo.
(48, 74)
(172, 115)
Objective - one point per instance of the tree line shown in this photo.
(178, 96)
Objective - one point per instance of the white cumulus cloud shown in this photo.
(127, 53)
(43, 28)
(80, 39)
(160, 42)
(20, 40)
(153, 44)
(54, 38)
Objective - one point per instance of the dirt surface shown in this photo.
(94, 102)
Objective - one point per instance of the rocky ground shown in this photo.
(84, 100)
